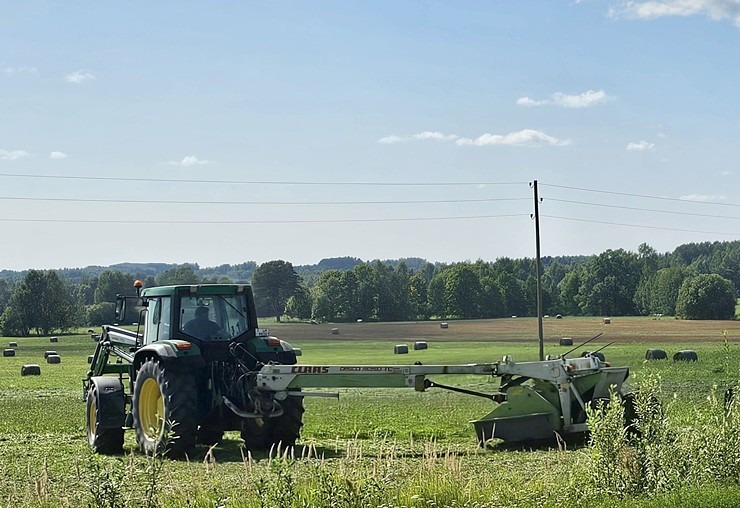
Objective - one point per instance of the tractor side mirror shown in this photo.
(128, 308)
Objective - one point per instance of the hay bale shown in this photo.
(443, 325)
(685, 355)
(559, 316)
(47, 354)
(420, 344)
(53, 339)
(9, 352)
(596, 354)
(31, 370)
(607, 321)
(656, 354)
(335, 331)
(400, 349)
(53, 359)
(13, 344)
(566, 341)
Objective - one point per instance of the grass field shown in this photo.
(372, 447)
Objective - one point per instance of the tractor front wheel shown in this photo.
(105, 415)
(165, 408)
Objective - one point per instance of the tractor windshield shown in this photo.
(213, 317)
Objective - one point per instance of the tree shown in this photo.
(40, 302)
(609, 284)
(274, 282)
(706, 296)
(183, 274)
(462, 292)
(299, 305)
(101, 313)
(111, 284)
(327, 295)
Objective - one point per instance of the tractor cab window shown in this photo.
(158, 320)
(213, 317)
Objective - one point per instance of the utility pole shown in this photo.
(538, 268)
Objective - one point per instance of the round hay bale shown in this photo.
(89, 358)
(685, 355)
(47, 354)
(607, 321)
(53, 359)
(566, 341)
(420, 344)
(597, 354)
(400, 349)
(9, 352)
(443, 325)
(335, 331)
(31, 370)
(656, 354)
(13, 344)
(558, 316)
(53, 339)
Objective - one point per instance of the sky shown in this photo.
(225, 132)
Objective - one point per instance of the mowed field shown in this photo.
(620, 329)
(404, 448)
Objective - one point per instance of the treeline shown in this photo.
(696, 281)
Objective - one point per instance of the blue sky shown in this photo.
(222, 132)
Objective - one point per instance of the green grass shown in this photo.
(372, 447)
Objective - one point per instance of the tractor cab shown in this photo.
(200, 313)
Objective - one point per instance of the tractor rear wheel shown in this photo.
(261, 434)
(103, 405)
(165, 407)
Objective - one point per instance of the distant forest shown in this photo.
(695, 281)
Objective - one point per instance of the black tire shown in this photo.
(261, 434)
(106, 441)
(165, 410)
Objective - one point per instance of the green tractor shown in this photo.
(186, 373)
(197, 365)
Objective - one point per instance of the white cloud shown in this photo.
(651, 9)
(79, 77)
(526, 137)
(703, 197)
(11, 155)
(583, 100)
(727, 173)
(190, 160)
(440, 136)
(389, 140)
(57, 155)
(639, 146)
(23, 69)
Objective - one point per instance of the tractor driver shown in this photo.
(202, 327)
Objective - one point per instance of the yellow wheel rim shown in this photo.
(151, 409)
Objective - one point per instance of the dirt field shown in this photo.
(620, 329)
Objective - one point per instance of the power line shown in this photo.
(662, 198)
(643, 209)
(290, 203)
(253, 182)
(640, 226)
(276, 221)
